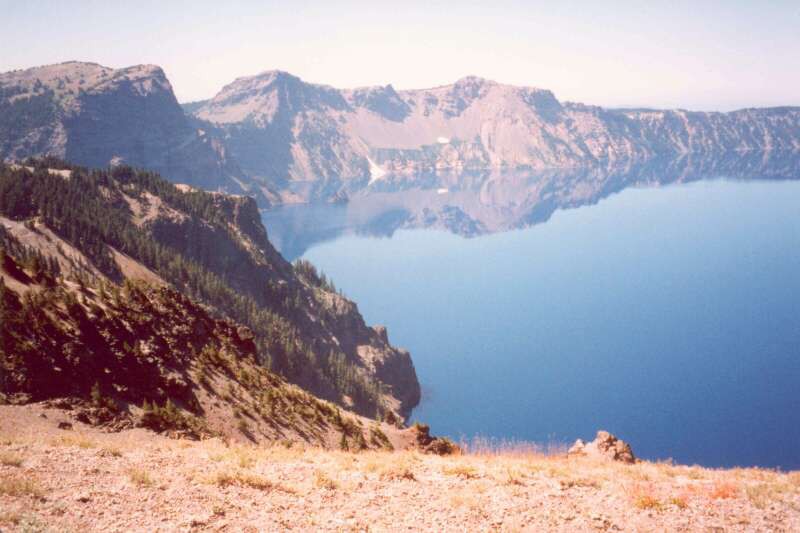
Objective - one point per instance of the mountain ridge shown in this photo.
(283, 140)
(339, 141)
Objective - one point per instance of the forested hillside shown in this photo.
(213, 249)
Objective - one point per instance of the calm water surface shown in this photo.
(667, 315)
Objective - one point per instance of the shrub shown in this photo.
(322, 481)
(724, 490)
(9, 517)
(397, 472)
(462, 471)
(679, 502)
(443, 446)
(379, 438)
(242, 479)
(140, 477)
(110, 451)
(359, 442)
(17, 486)
(10, 459)
(166, 418)
(643, 498)
(98, 400)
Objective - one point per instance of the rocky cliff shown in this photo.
(312, 142)
(95, 116)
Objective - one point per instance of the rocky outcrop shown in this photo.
(96, 116)
(604, 446)
(429, 444)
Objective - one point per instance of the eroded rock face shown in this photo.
(605, 446)
(311, 141)
(96, 116)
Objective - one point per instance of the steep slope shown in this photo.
(286, 133)
(313, 142)
(147, 356)
(213, 248)
(93, 115)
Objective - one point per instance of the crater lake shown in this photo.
(658, 303)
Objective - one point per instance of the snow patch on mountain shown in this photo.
(375, 171)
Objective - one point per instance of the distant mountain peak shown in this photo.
(474, 80)
(275, 74)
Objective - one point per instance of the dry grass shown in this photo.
(679, 501)
(140, 477)
(109, 451)
(580, 483)
(463, 471)
(762, 495)
(644, 497)
(638, 473)
(723, 489)
(10, 459)
(695, 472)
(398, 473)
(466, 499)
(79, 440)
(323, 481)
(473, 491)
(240, 478)
(244, 457)
(513, 476)
(17, 486)
(10, 517)
(391, 466)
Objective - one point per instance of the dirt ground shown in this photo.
(83, 479)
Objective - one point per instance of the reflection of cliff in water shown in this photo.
(478, 203)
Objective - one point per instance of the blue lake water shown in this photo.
(669, 316)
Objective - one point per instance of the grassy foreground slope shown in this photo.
(86, 480)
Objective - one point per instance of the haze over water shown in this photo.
(666, 315)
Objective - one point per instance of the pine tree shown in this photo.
(96, 396)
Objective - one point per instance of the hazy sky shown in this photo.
(697, 55)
